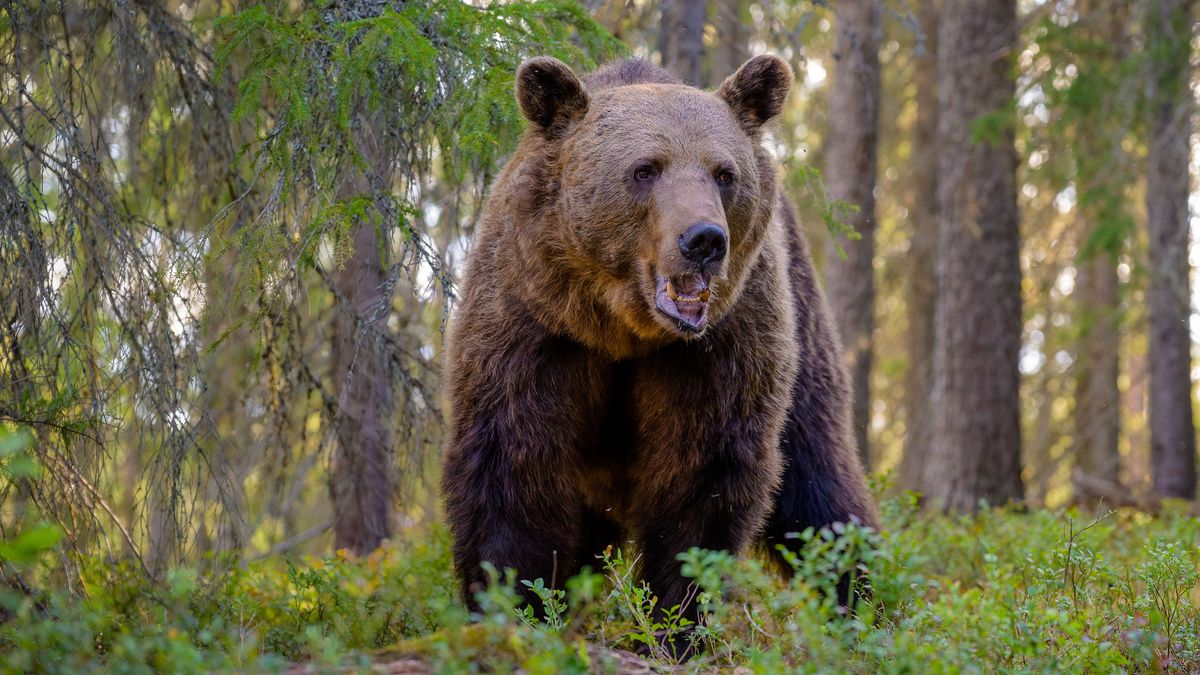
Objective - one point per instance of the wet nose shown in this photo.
(703, 243)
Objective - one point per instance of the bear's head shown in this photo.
(653, 198)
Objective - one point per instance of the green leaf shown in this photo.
(29, 546)
(14, 442)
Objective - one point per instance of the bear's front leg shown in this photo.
(709, 419)
(522, 404)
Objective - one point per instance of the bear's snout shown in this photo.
(704, 244)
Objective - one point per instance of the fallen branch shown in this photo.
(293, 541)
(1090, 491)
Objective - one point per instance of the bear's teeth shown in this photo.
(702, 296)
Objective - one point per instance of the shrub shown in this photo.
(999, 591)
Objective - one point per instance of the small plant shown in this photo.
(554, 605)
(658, 631)
(1170, 577)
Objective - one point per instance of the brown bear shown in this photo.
(641, 351)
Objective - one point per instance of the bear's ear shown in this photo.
(550, 95)
(756, 92)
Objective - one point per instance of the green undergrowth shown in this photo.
(1000, 591)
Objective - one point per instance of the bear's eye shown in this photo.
(645, 172)
(724, 177)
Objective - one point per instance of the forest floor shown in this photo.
(999, 591)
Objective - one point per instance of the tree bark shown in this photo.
(732, 22)
(850, 175)
(360, 482)
(666, 33)
(921, 291)
(1097, 397)
(681, 38)
(976, 434)
(1172, 431)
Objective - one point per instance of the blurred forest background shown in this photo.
(230, 233)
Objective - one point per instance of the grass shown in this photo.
(999, 591)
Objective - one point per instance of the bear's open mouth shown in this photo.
(685, 299)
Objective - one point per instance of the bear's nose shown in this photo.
(703, 243)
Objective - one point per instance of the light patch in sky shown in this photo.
(814, 74)
(60, 267)
(1031, 362)
(426, 276)
(1065, 201)
(1065, 283)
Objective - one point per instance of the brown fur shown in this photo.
(581, 416)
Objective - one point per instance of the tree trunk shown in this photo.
(732, 22)
(1172, 433)
(681, 38)
(976, 434)
(360, 483)
(1135, 400)
(1097, 364)
(921, 292)
(1097, 397)
(666, 33)
(162, 527)
(850, 175)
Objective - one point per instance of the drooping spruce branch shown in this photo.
(173, 221)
